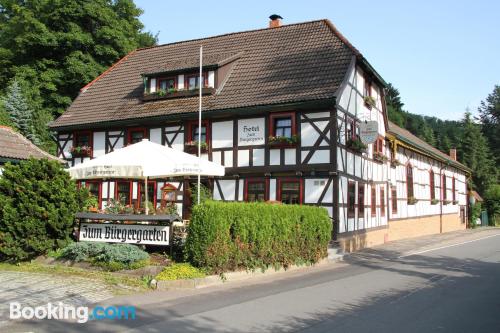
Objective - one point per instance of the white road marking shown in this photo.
(446, 246)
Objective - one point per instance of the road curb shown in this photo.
(215, 280)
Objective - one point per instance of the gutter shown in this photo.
(326, 102)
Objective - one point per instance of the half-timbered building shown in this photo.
(281, 111)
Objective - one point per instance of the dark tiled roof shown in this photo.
(293, 63)
(14, 146)
(421, 144)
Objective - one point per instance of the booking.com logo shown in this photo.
(62, 311)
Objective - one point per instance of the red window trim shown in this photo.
(91, 140)
(136, 129)
(280, 115)
(194, 123)
(432, 184)
(197, 75)
(453, 188)
(382, 201)
(443, 187)
(139, 194)
(394, 197)
(379, 145)
(349, 213)
(361, 201)
(367, 86)
(256, 180)
(373, 194)
(353, 129)
(407, 182)
(290, 180)
(99, 182)
(131, 190)
(158, 79)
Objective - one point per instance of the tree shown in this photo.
(475, 154)
(21, 116)
(58, 46)
(489, 114)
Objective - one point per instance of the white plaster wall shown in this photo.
(222, 134)
(155, 135)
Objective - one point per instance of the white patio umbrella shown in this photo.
(145, 160)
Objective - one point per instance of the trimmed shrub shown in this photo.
(225, 236)
(111, 257)
(179, 272)
(38, 202)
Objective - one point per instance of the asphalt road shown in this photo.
(448, 286)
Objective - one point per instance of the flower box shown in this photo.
(283, 141)
(395, 163)
(412, 200)
(191, 147)
(380, 157)
(81, 151)
(434, 201)
(174, 93)
(446, 202)
(356, 145)
(455, 202)
(370, 102)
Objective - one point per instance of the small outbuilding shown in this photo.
(15, 148)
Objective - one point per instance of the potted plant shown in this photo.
(356, 144)
(395, 162)
(412, 200)
(446, 202)
(370, 102)
(192, 147)
(434, 201)
(81, 151)
(455, 202)
(380, 157)
(283, 140)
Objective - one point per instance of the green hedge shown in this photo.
(225, 236)
(38, 202)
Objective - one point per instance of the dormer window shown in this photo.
(193, 81)
(167, 84)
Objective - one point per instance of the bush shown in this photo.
(226, 236)
(38, 201)
(492, 203)
(111, 257)
(180, 271)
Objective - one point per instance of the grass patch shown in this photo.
(182, 271)
(118, 284)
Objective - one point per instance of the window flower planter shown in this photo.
(412, 200)
(356, 145)
(174, 93)
(370, 102)
(380, 157)
(81, 151)
(395, 163)
(455, 202)
(446, 202)
(283, 141)
(434, 201)
(191, 147)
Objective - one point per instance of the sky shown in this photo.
(443, 56)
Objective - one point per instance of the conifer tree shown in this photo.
(19, 111)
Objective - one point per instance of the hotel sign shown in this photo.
(125, 233)
(368, 131)
(251, 132)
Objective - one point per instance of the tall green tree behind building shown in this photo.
(58, 46)
(489, 113)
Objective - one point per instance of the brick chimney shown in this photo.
(453, 154)
(275, 21)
